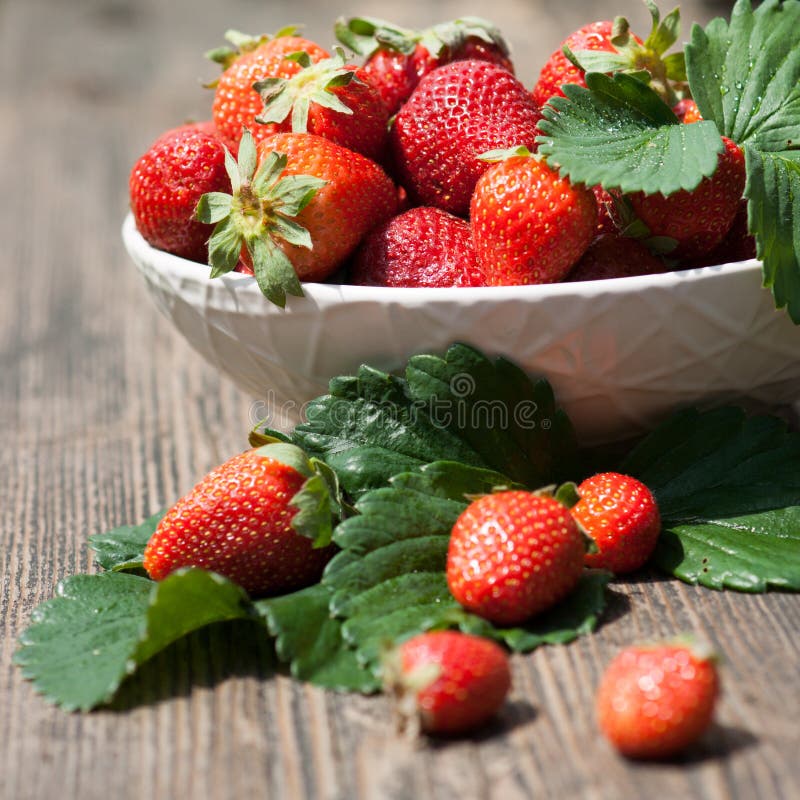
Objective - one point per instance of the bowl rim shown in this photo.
(186, 270)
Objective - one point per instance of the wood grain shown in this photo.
(105, 416)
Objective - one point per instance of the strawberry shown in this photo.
(621, 515)
(529, 224)
(396, 58)
(514, 554)
(699, 219)
(686, 111)
(168, 180)
(330, 99)
(457, 112)
(236, 103)
(610, 47)
(448, 682)
(738, 245)
(424, 246)
(239, 521)
(300, 206)
(612, 255)
(655, 701)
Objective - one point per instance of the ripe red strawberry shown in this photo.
(699, 219)
(457, 112)
(738, 245)
(653, 702)
(424, 246)
(237, 521)
(448, 682)
(612, 255)
(513, 554)
(621, 515)
(397, 57)
(529, 224)
(168, 180)
(300, 206)
(686, 111)
(330, 99)
(559, 70)
(236, 103)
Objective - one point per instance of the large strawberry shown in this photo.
(699, 219)
(168, 180)
(300, 206)
(251, 59)
(330, 99)
(398, 57)
(655, 701)
(423, 246)
(244, 520)
(457, 112)
(529, 224)
(514, 554)
(447, 682)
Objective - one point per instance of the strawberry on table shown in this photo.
(300, 206)
(168, 180)
(239, 521)
(655, 701)
(529, 224)
(448, 682)
(514, 554)
(330, 99)
(251, 59)
(423, 246)
(396, 58)
(621, 515)
(457, 112)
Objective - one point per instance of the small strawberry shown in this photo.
(698, 220)
(168, 180)
(457, 112)
(300, 206)
(611, 47)
(612, 255)
(236, 103)
(424, 246)
(529, 224)
(396, 58)
(514, 554)
(686, 111)
(330, 99)
(655, 701)
(448, 682)
(243, 521)
(621, 515)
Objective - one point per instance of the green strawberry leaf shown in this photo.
(745, 77)
(728, 487)
(619, 133)
(462, 407)
(122, 549)
(98, 629)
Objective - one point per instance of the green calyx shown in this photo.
(257, 215)
(648, 61)
(314, 84)
(494, 156)
(366, 35)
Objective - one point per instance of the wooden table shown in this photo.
(107, 415)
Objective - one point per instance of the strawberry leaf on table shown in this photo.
(619, 133)
(461, 407)
(122, 549)
(389, 583)
(82, 643)
(728, 488)
(745, 76)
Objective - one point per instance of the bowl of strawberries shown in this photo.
(623, 227)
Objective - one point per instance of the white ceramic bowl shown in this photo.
(621, 354)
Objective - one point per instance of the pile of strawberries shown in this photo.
(416, 168)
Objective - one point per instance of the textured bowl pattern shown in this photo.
(621, 354)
